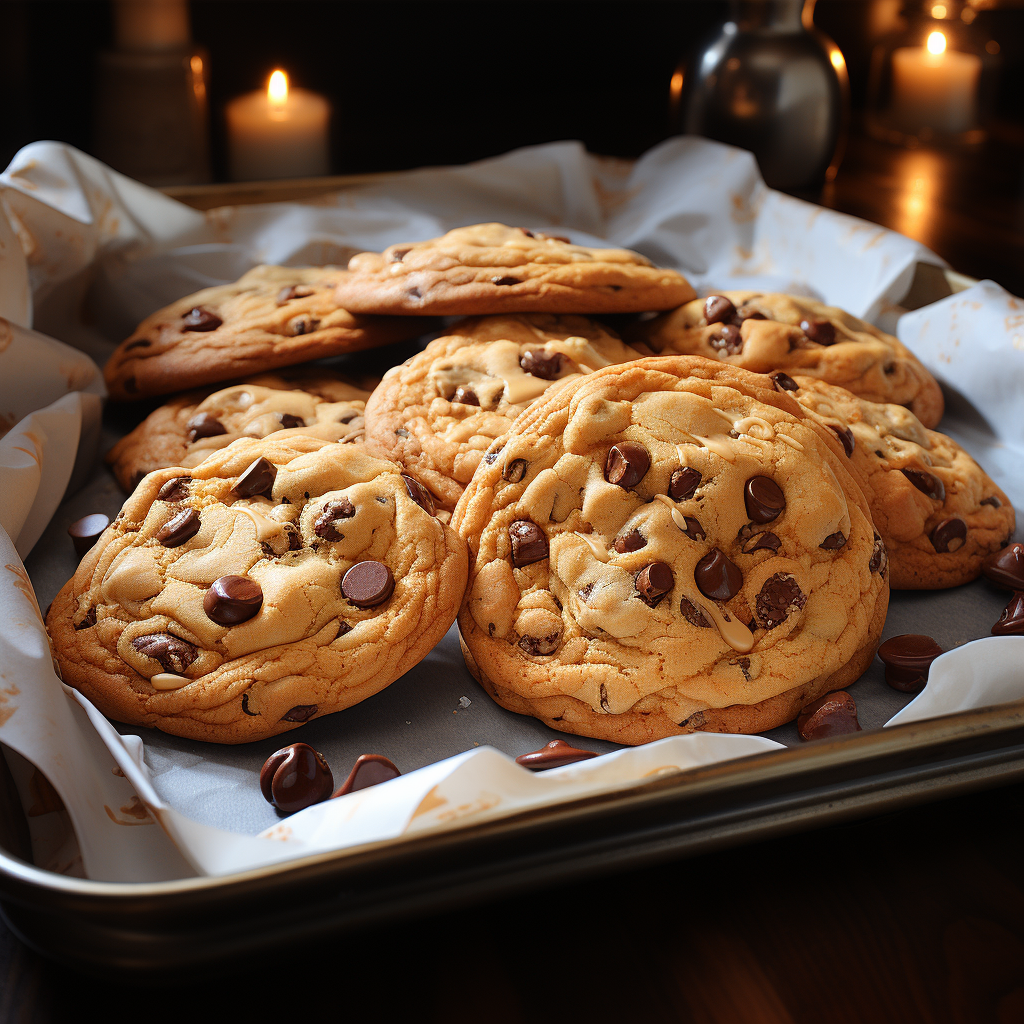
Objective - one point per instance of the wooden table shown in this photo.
(910, 917)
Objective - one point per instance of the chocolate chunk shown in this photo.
(846, 436)
(761, 542)
(718, 309)
(492, 457)
(693, 615)
(343, 628)
(233, 599)
(528, 232)
(504, 281)
(86, 531)
(779, 596)
(465, 396)
(728, 340)
(1006, 567)
(907, 659)
(764, 499)
(294, 536)
(1011, 622)
(397, 255)
(626, 464)
(693, 529)
(258, 479)
(200, 319)
(717, 576)
(325, 525)
(293, 291)
(926, 483)
(419, 494)
(992, 500)
(632, 541)
(554, 755)
(295, 777)
(683, 483)
(784, 382)
(654, 582)
(821, 331)
(369, 770)
(173, 653)
(835, 714)
(289, 422)
(529, 542)
(204, 425)
(300, 713)
(949, 535)
(368, 584)
(833, 542)
(179, 528)
(879, 556)
(515, 470)
(87, 622)
(245, 707)
(174, 490)
(541, 364)
(540, 646)
(304, 325)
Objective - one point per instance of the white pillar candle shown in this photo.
(933, 87)
(280, 133)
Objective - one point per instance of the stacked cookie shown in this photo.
(693, 528)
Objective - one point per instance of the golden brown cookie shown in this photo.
(271, 317)
(765, 332)
(439, 411)
(280, 580)
(185, 430)
(680, 547)
(492, 268)
(937, 510)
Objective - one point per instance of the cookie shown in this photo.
(439, 411)
(492, 268)
(282, 579)
(937, 510)
(684, 550)
(765, 332)
(185, 430)
(271, 317)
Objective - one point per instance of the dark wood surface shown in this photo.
(912, 917)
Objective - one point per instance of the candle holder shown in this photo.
(931, 82)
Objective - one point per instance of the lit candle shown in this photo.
(280, 133)
(933, 87)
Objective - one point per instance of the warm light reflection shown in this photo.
(837, 60)
(198, 82)
(938, 10)
(936, 43)
(919, 173)
(992, 47)
(277, 89)
(676, 86)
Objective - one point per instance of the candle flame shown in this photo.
(936, 43)
(277, 88)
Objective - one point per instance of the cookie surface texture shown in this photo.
(271, 317)
(439, 411)
(493, 268)
(764, 332)
(938, 511)
(278, 581)
(669, 560)
(191, 426)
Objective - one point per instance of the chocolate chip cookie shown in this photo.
(492, 268)
(280, 580)
(937, 510)
(439, 411)
(666, 546)
(271, 317)
(765, 332)
(185, 430)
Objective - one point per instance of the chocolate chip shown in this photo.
(760, 542)
(304, 325)
(368, 584)
(779, 596)
(835, 714)
(294, 536)
(717, 577)
(949, 535)
(204, 425)
(289, 422)
(397, 255)
(245, 707)
(179, 528)
(907, 659)
(173, 653)
(632, 541)
(293, 291)
(258, 479)
(300, 713)
(833, 542)
(541, 364)
(529, 542)
(926, 483)
(325, 525)
(515, 470)
(1011, 621)
(419, 494)
(603, 694)
(654, 582)
(343, 628)
(414, 293)
(200, 319)
(465, 396)
(821, 331)
(492, 457)
(683, 483)
(86, 531)
(693, 615)
(369, 770)
(140, 343)
(295, 777)
(846, 436)
(540, 646)
(233, 599)
(1006, 567)
(992, 500)
(88, 620)
(554, 755)
(693, 529)
(784, 382)
(728, 340)
(764, 499)
(504, 280)
(174, 490)
(879, 556)
(528, 232)
(626, 464)
(718, 309)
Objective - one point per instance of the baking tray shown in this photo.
(198, 924)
